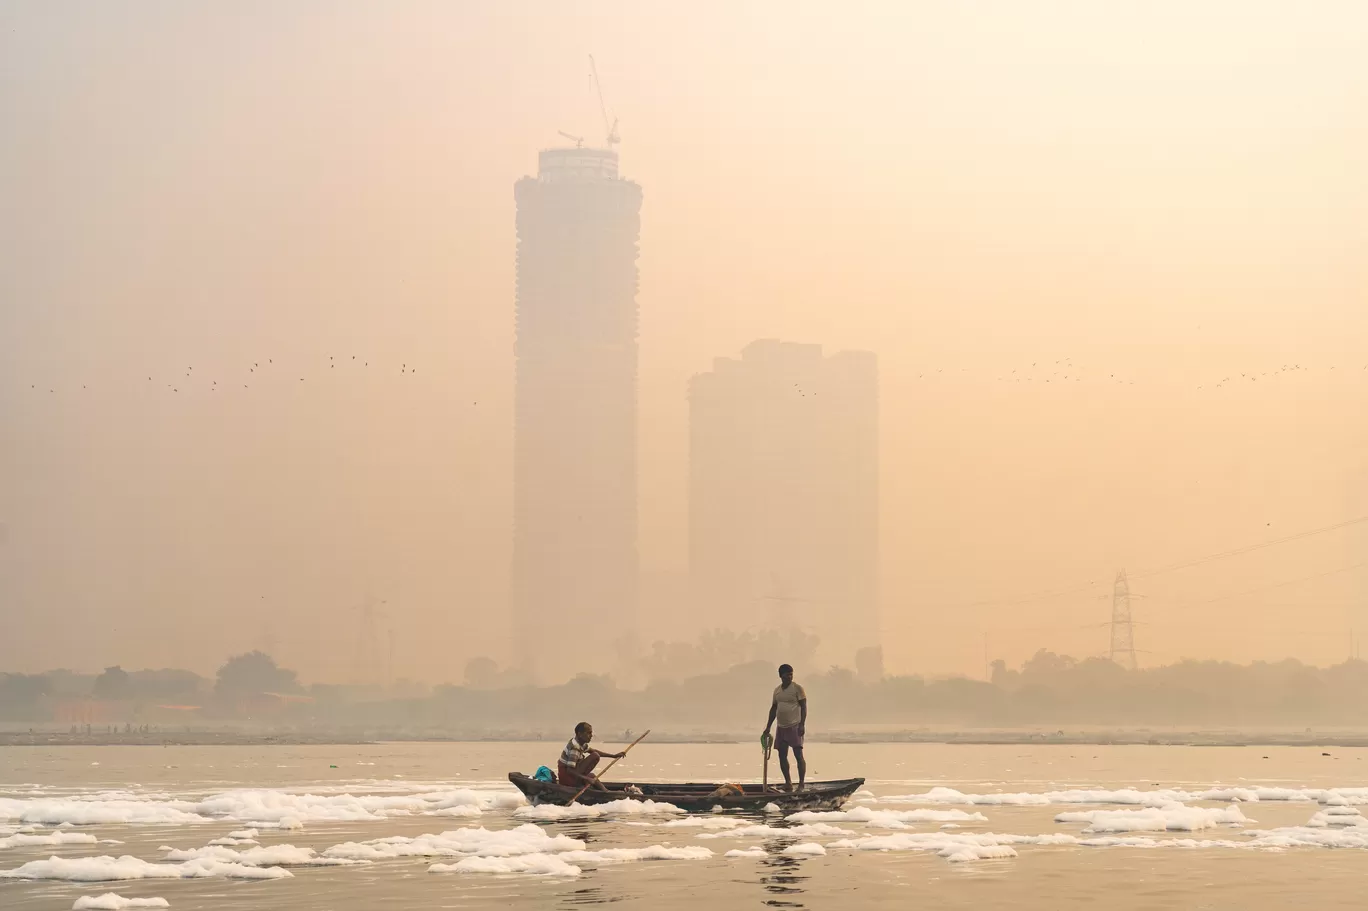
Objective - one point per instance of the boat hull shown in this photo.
(694, 797)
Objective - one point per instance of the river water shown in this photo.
(410, 826)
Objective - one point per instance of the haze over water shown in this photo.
(1163, 202)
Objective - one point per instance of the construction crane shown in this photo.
(613, 138)
(579, 140)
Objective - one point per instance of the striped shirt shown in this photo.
(572, 754)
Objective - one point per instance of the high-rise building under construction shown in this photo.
(784, 496)
(575, 565)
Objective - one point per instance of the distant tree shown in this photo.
(22, 691)
(252, 673)
(167, 683)
(1046, 664)
(114, 683)
(481, 673)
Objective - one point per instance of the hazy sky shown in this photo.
(1165, 193)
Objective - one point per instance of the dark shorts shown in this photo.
(789, 737)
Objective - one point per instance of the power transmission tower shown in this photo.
(1122, 626)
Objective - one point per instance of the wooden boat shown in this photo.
(695, 798)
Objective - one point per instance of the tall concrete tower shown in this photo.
(575, 449)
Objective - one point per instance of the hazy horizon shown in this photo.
(257, 299)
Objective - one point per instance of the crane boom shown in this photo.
(611, 129)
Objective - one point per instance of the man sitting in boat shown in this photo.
(578, 759)
(789, 707)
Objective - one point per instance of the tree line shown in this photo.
(1047, 689)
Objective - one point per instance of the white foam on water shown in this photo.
(550, 812)
(886, 819)
(26, 840)
(1306, 837)
(1169, 818)
(528, 864)
(747, 852)
(817, 830)
(244, 834)
(979, 846)
(628, 855)
(259, 808)
(110, 869)
(112, 902)
(956, 848)
(1134, 796)
(697, 822)
(812, 830)
(773, 808)
(271, 856)
(1341, 817)
(479, 842)
(967, 853)
(54, 811)
(267, 806)
(810, 849)
(757, 830)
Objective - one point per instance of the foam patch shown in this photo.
(111, 869)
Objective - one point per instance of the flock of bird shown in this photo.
(1059, 372)
(191, 381)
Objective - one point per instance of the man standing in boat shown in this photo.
(578, 759)
(789, 708)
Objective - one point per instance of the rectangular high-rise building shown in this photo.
(575, 561)
(783, 494)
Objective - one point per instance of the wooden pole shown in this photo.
(609, 766)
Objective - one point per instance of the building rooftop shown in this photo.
(577, 164)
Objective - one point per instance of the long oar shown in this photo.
(609, 766)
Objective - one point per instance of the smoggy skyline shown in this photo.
(1165, 203)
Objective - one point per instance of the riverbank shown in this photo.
(192, 737)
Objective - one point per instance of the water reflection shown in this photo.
(591, 832)
(780, 876)
(592, 895)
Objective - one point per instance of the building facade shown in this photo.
(574, 585)
(783, 494)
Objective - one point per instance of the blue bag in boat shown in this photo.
(545, 774)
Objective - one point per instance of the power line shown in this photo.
(1173, 567)
(1264, 588)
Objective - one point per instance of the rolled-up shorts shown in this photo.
(789, 737)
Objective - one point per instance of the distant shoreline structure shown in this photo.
(985, 737)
